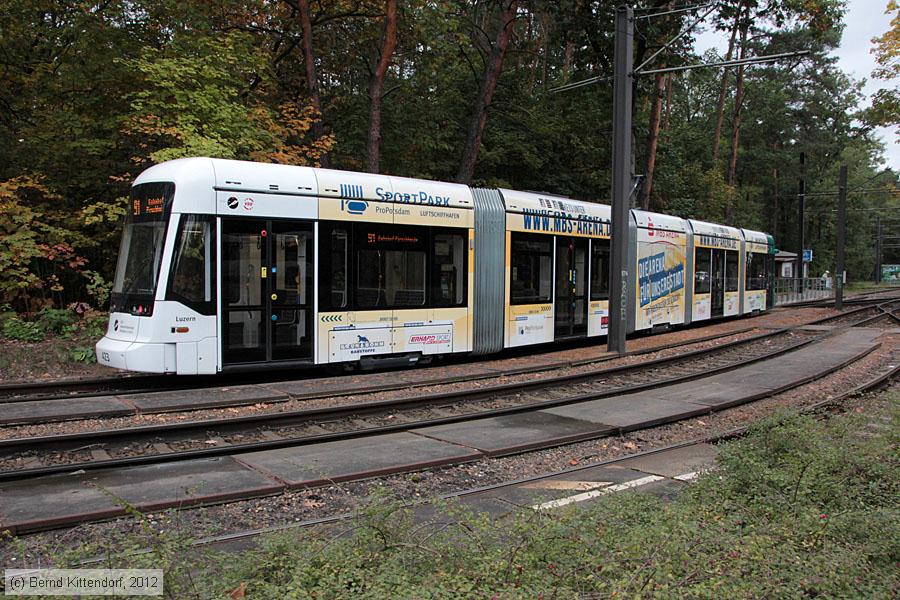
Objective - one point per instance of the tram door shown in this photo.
(570, 302)
(267, 297)
(717, 301)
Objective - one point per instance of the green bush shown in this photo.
(55, 320)
(95, 327)
(83, 354)
(15, 328)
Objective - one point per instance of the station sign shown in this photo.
(807, 255)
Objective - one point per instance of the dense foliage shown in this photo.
(93, 92)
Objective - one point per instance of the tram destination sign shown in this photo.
(148, 206)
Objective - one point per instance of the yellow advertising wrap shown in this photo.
(661, 272)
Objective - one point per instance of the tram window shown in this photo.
(242, 258)
(449, 270)
(390, 267)
(532, 269)
(334, 245)
(193, 275)
(731, 271)
(599, 269)
(370, 281)
(756, 271)
(702, 270)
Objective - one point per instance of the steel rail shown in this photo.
(225, 538)
(864, 297)
(6, 390)
(352, 390)
(867, 386)
(346, 411)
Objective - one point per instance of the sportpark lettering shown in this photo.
(414, 198)
(557, 222)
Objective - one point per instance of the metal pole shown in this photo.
(621, 178)
(841, 223)
(801, 216)
(878, 242)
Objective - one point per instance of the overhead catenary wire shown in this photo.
(637, 70)
(655, 10)
(753, 60)
(673, 11)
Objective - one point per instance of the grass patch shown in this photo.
(798, 508)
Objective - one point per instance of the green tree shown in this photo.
(885, 109)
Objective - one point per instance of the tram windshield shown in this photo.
(140, 254)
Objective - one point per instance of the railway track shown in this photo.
(861, 316)
(87, 386)
(43, 411)
(185, 440)
(24, 509)
(139, 384)
(240, 539)
(862, 298)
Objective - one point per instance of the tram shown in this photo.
(228, 265)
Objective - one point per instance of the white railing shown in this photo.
(802, 289)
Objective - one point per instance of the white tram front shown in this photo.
(228, 265)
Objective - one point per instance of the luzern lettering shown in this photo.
(420, 197)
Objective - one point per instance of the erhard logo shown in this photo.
(429, 339)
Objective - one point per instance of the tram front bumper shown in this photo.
(136, 356)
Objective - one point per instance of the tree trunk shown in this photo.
(776, 204)
(653, 140)
(723, 90)
(736, 121)
(312, 82)
(376, 86)
(545, 32)
(568, 55)
(668, 112)
(738, 103)
(486, 93)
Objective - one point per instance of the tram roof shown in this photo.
(651, 220)
(521, 202)
(269, 178)
(756, 236)
(722, 231)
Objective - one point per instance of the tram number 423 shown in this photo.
(104, 356)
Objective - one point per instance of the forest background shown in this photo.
(91, 93)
